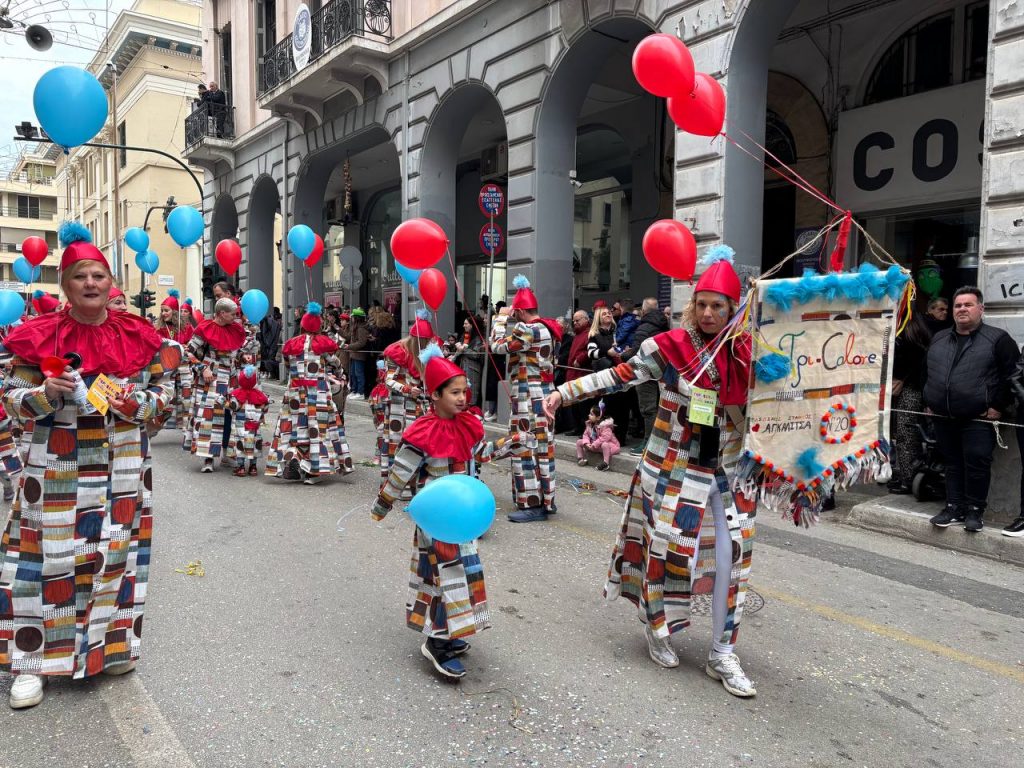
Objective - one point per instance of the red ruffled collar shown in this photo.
(319, 344)
(446, 438)
(223, 338)
(400, 356)
(250, 397)
(121, 346)
(732, 361)
(183, 337)
(554, 326)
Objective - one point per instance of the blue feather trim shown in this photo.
(519, 282)
(174, 293)
(73, 232)
(423, 314)
(313, 308)
(249, 370)
(721, 252)
(37, 294)
(381, 365)
(188, 301)
(855, 287)
(429, 353)
(771, 367)
(809, 464)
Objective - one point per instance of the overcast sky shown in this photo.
(78, 34)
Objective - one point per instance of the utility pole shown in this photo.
(116, 218)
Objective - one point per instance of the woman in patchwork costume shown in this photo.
(448, 598)
(74, 557)
(379, 398)
(309, 439)
(249, 405)
(402, 378)
(173, 324)
(215, 350)
(668, 549)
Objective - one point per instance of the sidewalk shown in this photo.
(869, 508)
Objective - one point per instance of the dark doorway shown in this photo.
(778, 237)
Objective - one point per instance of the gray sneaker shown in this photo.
(728, 670)
(660, 649)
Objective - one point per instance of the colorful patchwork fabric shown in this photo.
(178, 412)
(74, 557)
(205, 434)
(309, 426)
(447, 594)
(401, 410)
(665, 549)
(530, 351)
(246, 442)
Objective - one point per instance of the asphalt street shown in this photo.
(292, 649)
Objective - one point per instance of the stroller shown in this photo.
(929, 482)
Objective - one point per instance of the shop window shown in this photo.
(28, 207)
(48, 275)
(976, 41)
(921, 60)
(601, 257)
(382, 217)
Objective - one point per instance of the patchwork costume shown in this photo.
(379, 399)
(177, 414)
(531, 354)
(248, 405)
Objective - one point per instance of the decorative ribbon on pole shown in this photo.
(842, 240)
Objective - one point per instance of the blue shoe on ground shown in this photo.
(457, 647)
(529, 515)
(444, 662)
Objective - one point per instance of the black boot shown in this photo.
(953, 514)
(974, 519)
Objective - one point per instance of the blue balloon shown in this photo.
(12, 306)
(255, 305)
(411, 276)
(147, 261)
(70, 105)
(137, 239)
(301, 241)
(455, 509)
(185, 225)
(25, 272)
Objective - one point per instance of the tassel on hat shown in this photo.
(437, 369)
(720, 275)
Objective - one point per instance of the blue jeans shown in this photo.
(358, 383)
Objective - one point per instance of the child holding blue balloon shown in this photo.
(448, 599)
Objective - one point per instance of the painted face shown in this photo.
(712, 312)
(88, 288)
(451, 400)
(967, 312)
(118, 302)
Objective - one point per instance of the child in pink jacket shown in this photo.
(598, 437)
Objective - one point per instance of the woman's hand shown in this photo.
(207, 375)
(552, 403)
(58, 386)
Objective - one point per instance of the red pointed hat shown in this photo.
(172, 299)
(114, 292)
(311, 321)
(437, 369)
(43, 302)
(422, 329)
(77, 242)
(720, 276)
(524, 298)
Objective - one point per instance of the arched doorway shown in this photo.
(223, 226)
(464, 148)
(263, 236)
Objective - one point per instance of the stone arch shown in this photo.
(261, 239)
(223, 220)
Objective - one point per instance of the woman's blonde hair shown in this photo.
(414, 346)
(78, 266)
(690, 311)
(595, 324)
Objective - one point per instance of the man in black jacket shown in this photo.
(968, 382)
(652, 322)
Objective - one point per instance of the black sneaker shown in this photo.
(291, 469)
(951, 515)
(444, 660)
(457, 647)
(1015, 529)
(974, 519)
(602, 467)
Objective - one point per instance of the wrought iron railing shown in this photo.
(209, 120)
(17, 212)
(334, 23)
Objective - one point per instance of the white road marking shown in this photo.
(144, 730)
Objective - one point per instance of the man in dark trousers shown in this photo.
(967, 386)
(652, 322)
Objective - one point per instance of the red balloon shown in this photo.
(229, 256)
(419, 243)
(701, 112)
(317, 253)
(670, 249)
(663, 65)
(433, 286)
(34, 249)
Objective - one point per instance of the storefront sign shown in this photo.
(923, 149)
(302, 36)
(492, 236)
(491, 200)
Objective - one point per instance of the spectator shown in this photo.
(201, 98)
(359, 337)
(652, 322)
(223, 289)
(270, 340)
(603, 355)
(218, 101)
(470, 356)
(577, 364)
(1016, 528)
(968, 382)
(494, 375)
(938, 314)
(908, 374)
(296, 320)
(626, 322)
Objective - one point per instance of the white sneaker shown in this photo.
(489, 416)
(660, 650)
(728, 670)
(27, 691)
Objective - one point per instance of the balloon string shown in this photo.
(484, 338)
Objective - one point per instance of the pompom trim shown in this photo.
(313, 308)
(429, 353)
(73, 232)
(520, 282)
(37, 294)
(249, 370)
(423, 314)
(721, 252)
(174, 293)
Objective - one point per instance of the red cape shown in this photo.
(223, 338)
(121, 346)
(398, 355)
(732, 361)
(249, 396)
(445, 438)
(321, 345)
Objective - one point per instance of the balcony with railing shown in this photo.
(349, 38)
(209, 132)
